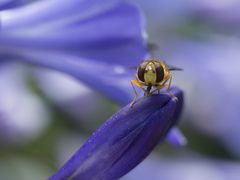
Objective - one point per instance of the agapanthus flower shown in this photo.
(84, 43)
(84, 30)
(92, 40)
(96, 42)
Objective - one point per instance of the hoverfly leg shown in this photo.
(147, 92)
(132, 103)
(136, 94)
(174, 98)
(158, 88)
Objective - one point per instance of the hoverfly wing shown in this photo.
(151, 47)
(173, 68)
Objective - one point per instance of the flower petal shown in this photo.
(95, 47)
(112, 81)
(111, 32)
(124, 140)
(32, 14)
(176, 137)
(7, 4)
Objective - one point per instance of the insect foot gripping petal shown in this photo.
(174, 98)
(133, 102)
(136, 94)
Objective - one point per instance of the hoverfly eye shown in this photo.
(160, 73)
(141, 72)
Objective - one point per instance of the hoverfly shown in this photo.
(153, 74)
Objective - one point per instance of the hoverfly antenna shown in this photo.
(173, 68)
(134, 67)
(152, 48)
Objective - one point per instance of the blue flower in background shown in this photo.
(92, 40)
(216, 60)
(96, 42)
(185, 166)
(23, 115)
(224, 15)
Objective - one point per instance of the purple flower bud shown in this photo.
(124, 140)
